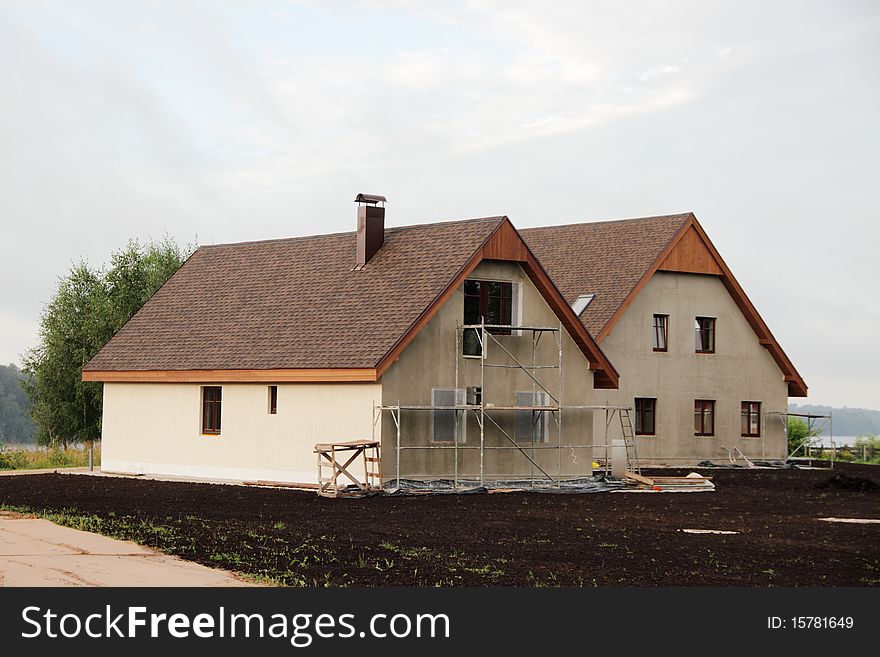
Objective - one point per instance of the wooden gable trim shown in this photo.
(505, 243)
(691, 257)
(305, 375)
(690, 254)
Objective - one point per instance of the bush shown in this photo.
(55, 457)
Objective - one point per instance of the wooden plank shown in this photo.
(640, 478)
(280, 484)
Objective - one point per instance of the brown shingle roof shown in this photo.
(293, 303)
(606, 258)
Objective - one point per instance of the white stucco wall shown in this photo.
(154, 428)
(739, 370)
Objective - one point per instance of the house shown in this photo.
(465, 348)
(701, 369)
(447, 342)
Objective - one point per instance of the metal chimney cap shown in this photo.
(371, 199)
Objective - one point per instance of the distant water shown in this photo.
(838, 440)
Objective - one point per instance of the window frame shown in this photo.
(643, 413)
(748, 409)
(273, 400)
(699, 330)
(216, 414)
(700, 405)
(540, 427)
(483, 303)
(459, 429)
(654, 341)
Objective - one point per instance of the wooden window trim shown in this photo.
(714, 321)
(746, 408)
(216, 411)
(273, 400)
(665, 346)
(644, 413)
(704, 404)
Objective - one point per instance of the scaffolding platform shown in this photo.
(329, 486)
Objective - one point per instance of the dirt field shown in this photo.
(36, 552)
(524, 539)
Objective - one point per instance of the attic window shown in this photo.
(490, 302)
(580, 304)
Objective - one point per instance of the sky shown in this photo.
(227, 121)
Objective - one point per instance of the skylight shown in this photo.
(580, 304)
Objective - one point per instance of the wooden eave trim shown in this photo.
(305, 375)
(796, 385)
(512, 247)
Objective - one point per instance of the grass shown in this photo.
(47, 457)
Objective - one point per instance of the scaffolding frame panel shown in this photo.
(482, 412)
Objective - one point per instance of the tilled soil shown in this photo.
(519, 539)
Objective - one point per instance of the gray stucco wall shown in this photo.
(429, 362)
(739, 370)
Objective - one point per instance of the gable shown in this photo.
(690, 255)
(616, 259)
(505, 244)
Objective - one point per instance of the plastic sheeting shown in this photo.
(756, 462)
(597, 484)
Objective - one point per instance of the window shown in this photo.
(704, 335)
(531, 424)
(211, 398)
(704, 417)
(490, 302)
(660, 322)
(273, 400)
(447, 423)
(580, 304)
(646, 410)
(751, 419)
(474, 396)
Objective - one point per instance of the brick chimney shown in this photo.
(370, 227)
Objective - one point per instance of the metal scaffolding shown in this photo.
(485, 414)
(812, 432)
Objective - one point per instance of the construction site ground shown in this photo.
(766, 527)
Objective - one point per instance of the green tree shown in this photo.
(15, 420)
(87, 309)
(798, 432)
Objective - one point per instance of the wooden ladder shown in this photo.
(629, 441)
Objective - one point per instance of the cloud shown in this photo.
(243, 120)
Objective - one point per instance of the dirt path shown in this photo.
(36, 552)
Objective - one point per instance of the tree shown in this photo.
(798, 432)
(15, 421)
(87, 309)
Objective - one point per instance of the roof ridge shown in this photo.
(682, 215)
(498, 218)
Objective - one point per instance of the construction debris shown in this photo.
(854, 521)
(692, 482)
